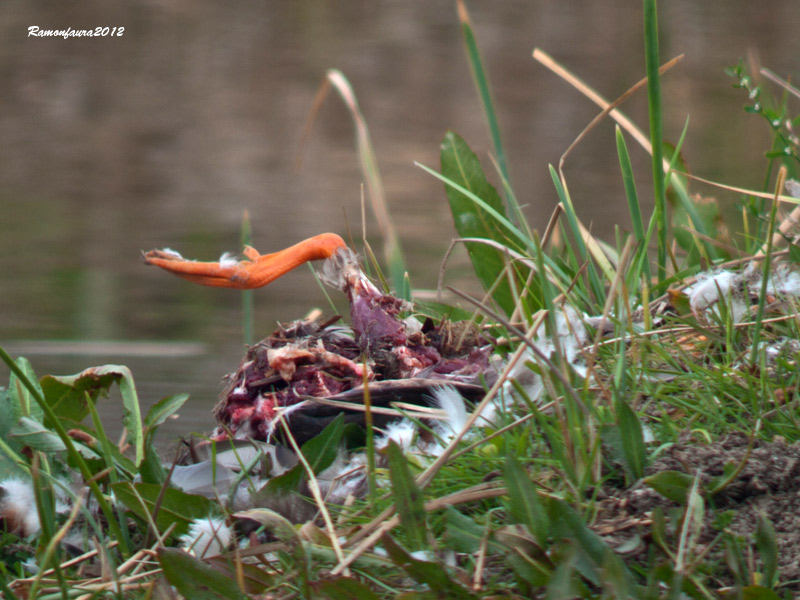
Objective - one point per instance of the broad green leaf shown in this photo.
(342, 588)
(592, 557)
(425, 572)
(462, 534)
(320, 452)
(528, 569)
(68, 397)
(151, 469)
(461, 166)
(757, 592)
(31, 433)
(562, 580)
(568, 524)
(524, 503)
(673, 485)
(195, 579)
(707, 211)
(176, 506)
(255, 579)
(768, 550)
(407, 498)
(482, 84)
(632, 438)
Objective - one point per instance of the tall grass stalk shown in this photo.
(766, 274)
(369, 167)
(248, 296)
(633, 198)
(656, 137)
(481, 80)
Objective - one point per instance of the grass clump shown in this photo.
(645, 444)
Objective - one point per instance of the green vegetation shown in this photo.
(652, 459)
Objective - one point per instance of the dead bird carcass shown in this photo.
(309, 372)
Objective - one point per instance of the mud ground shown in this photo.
(768, 484)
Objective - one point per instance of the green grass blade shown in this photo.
(766, 275)
(248, 296)
(583, 251)
(633, 198)
(530, 246)
(369, 168)
(482, 83)
(656, 134)
(497, 216)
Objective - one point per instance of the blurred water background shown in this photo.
(164, 136)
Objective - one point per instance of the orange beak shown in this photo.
(255, 271)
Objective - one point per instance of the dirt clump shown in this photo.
(767, 483)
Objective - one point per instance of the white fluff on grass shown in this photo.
(570, 336)
(711, 287)
(347, 475)
(783, 282)
(18, 505)
(208, 536)
(738, 288)
(342, 479)
(402, 432)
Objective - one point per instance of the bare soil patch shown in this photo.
(768, 484)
